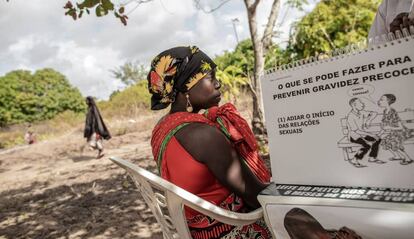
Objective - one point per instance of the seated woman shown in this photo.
(213, 155)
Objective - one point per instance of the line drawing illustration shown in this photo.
(368, 134)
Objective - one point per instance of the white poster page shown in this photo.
(345, 222)
(344, 121)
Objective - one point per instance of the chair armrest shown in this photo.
(190, 200)
(222, 215)
(270, 190)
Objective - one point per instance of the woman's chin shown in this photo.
(217, 100)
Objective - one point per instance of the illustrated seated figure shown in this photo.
(358, 121)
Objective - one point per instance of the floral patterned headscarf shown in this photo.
(176, 70)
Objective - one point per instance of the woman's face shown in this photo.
(383, 101)
(205, 93)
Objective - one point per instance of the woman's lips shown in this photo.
(218, 97)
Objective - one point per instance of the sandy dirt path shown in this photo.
(52, 190)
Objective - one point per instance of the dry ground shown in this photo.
(53, 190)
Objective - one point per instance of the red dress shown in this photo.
(179, 167)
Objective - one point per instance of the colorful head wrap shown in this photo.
(176, 70)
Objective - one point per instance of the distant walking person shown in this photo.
(30, 136)
(95, 129)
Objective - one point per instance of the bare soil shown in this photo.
(54, 190)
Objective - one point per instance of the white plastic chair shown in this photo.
(167, 201)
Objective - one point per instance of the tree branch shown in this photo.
(251, 88)
(268, 32)
(199, 7)
(251, 6)
(255, 4)
(138, 2)
(327, 36)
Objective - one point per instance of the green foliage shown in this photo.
(275, 56)
(298, 4)
(242, 57)
(236, 67)
(232, 79)
(332, 24)
(130, 73)
(27, 98)
(129, 102)
(102, 8)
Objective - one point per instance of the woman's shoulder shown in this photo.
(201, 140)
(197, 130)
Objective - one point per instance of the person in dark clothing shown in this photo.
(95, 128)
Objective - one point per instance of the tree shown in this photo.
(330, 25)
(242, 57)
(130, 73)
(232, 80)
(26, 97)
(128, 102)
(261, 42)
(236, 67)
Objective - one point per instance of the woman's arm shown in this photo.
(210, 146)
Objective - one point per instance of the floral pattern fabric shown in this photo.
(228, 120)
(204, 227)
(176, 70)
(395, 139)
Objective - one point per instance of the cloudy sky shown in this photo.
(35, 34)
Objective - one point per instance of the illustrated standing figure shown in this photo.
(393, 133)
(95, 128)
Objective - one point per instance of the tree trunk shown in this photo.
(260, 46)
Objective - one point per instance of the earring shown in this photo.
(189, 106)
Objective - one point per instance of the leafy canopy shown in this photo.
(330, 25)
(26, 97)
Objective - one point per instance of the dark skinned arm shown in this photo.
(401, 21)
(210, 146)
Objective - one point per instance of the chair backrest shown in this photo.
(167, 201)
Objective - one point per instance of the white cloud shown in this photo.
(36, 34)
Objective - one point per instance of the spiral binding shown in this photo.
(377, 42)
